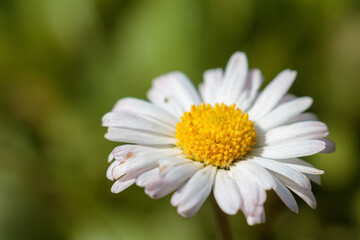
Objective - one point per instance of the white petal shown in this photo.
(253, 83)
(300, 130)
(290, 149)
(156, 187)
(136, 122)
(234, 79)
(300, 166)
(160, 190)
(170, 162)
(256, 220)
(272, 94)
(127, 151)
(148, 178)
(192, 195)
(116, 171)
(110, 170)
(284, 171)
(286, 196)
(304, 193)
(119, 186)
(226, 192)
(144, 108)
(178, 86)
(284, 112)
(308, 116)
(165, 101)
(211, 85)
(252, 194)
(243, 101)
(137, 137)
(286, 98)
(259, 174)
(143, 162)
(255, 80)
(304, 169)
(314, 178)
(171, 179)
(297, 161)
(329, 146)
(172, 173)
(110, 157)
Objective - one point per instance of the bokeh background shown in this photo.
(64, 63)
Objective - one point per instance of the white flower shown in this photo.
(232, 139)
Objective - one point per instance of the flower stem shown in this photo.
(223, 227)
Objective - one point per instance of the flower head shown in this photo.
(232, 139)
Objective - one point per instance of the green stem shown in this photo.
(223, 227)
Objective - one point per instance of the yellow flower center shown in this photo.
(215, 135)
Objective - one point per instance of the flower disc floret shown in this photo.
(215, 135)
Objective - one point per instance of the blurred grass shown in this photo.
(64, 63)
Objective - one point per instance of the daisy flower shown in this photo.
(229, 139)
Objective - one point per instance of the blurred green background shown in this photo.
(64, 63)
